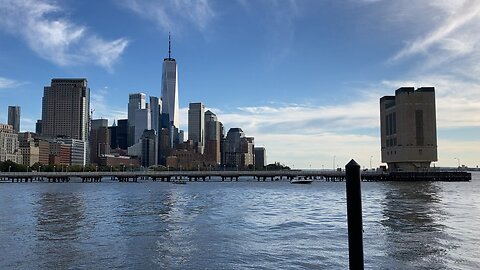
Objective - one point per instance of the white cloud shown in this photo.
(173, 15)
(102, 110)
(56, 38)
(8, 83)
(449, 38)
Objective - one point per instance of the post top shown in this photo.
(352, 163)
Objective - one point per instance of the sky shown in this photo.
(302, 77)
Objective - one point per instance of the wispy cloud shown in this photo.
(452, 37)
(56, 38)
(101, 107)
(173, 15)
(8, 83)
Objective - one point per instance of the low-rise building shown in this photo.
(9, 145)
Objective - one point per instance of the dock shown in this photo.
(203, 176)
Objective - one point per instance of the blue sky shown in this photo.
(303, 77)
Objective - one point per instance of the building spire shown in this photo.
(169, 46)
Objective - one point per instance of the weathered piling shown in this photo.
(354, 215)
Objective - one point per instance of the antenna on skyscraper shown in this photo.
(169, 47)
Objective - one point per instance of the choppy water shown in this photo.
(239, 225)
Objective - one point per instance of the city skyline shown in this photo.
(301, 76)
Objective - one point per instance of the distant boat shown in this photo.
(301, 181)
(180, 182)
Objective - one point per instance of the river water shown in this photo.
(236, 225)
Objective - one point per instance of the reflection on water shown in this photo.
(238, 225)
(413, 219)
(59, 221)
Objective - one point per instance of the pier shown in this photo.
(206, 176)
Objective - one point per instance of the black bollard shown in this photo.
(354, 215)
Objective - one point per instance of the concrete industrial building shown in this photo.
(65, 109)
(196, 125)
(14, 117)
(408, 129)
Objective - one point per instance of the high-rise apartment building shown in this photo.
(65, 109)
(196, 125)
(212, 139)
(170, 89)
(14, 117)
(136, 101)
(408, 129)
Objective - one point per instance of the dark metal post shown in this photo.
(354, 215)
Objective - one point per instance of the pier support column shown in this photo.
(354, 215)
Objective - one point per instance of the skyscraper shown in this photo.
(99, 140)
(170, 88)
(196, 125)
(238, 149)
(65, 109)
(14, 117)
(408, 129)
(212, 138)
(155, 109)
(135, 101)
(142, 122)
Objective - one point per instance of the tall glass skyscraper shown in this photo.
(170, 89)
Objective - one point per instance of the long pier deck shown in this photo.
(230, 176)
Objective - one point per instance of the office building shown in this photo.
(170, 89)
(196, 125)
(142, 122)
(136, 101)
(38, 127)
(119, 135)
(78, 150)
(212, 139)
(155, 112)
(408, 129)
(9, 145)
(14, 117)
(238, 149)
(260, 157)
(28, 148)
(149, 141)
(99, 140)
(65, 109)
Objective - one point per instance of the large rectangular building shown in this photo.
(65, 109)
(196, 125)
(408, 129)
